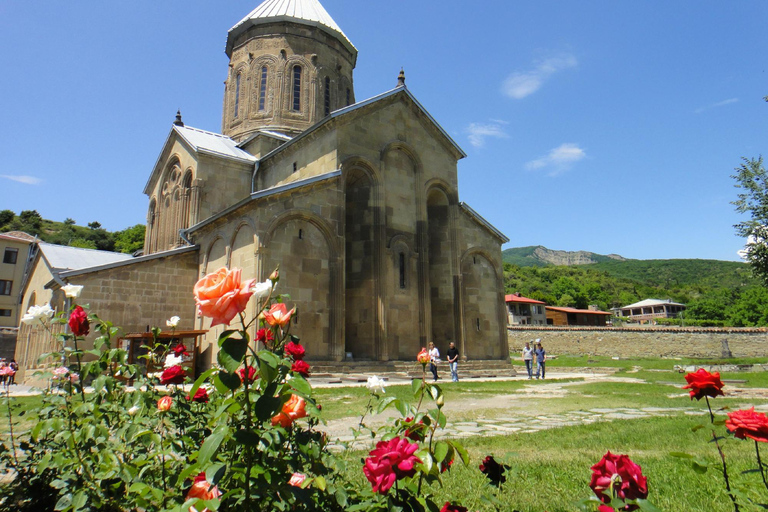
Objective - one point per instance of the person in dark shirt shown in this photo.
(453, 362)
(541, 358)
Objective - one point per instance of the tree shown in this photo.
(130, 239)
(752, 179)
(94, 225)
(6, 216)
(69, 221)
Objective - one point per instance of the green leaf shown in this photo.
(268, 405)
(646, 505)
(215, 473)
(225, 382)
(699, 466)
(461, 451)
(79, 500)
(301, 385)
(416, 386)
(247, 437)
(231, 354)
(697, 427)
(64, 502)
(384, 403)
(402, 406)
(435, 391)
(441, 450)
(224, 336)
(320, 483)
(681, 455)
(212, 443)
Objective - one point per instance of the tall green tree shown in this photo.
(752, 179)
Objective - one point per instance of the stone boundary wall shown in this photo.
(7, 343)
(633, 342)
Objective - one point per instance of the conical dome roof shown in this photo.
(307, 12)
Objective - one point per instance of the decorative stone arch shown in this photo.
(470, 323)
(237, 97)
(217, 237)
(345, 85)
(307, 85)
(334, 309)
(271, 62)
(241, 223)
(406, 148)
(400, 248)
(444, 187)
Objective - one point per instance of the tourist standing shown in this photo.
(541, 358)
(14, 366)
(434, 358)
(528, 359)
(453, 361)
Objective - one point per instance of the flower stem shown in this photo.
(725, 471)
(711, 414)
(10, 426)
(760, 464)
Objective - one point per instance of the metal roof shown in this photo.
(652, 302)
(305, 12)
(61, 257)
(213, 143)
(131, 261)
(519, 298)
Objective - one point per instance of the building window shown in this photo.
(402, 270)
(477, 324)
(327, 95)
(237, 94)
(10, 255)
(263, 89)
(5, 312)
(5, 287)
(297, 88)
(348, 97)
(301, 234)
(295, 168)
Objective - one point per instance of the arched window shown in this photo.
(263, 89)
(327, 98)
(349, 97)
(237, 95)
(402, 270)
(297, 88)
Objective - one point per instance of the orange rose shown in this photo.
(221, 295)
(202, 490)
(164, 403)
(423, 356)
(293, 409)
(278, 315)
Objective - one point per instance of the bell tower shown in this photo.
(290, 65)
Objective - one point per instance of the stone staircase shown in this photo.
(359, 371)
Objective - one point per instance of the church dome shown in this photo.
(304, 12)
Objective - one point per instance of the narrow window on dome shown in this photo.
(327, 95)
(297, 88)
(237, 94)
(348, 97)
(402, 270)
(263, 89)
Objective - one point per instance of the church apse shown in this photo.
(440, 262)
(481, 322)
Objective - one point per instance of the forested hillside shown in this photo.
(92, 236)
(716, 292)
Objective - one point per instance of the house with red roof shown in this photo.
(524, 311)
(571, 316)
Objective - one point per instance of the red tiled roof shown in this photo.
(574, 310)
(17, 235)
(519, 298)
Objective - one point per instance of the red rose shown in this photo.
(78, 322)
(416, 431)
(618, 474)
(265, 336)
(452, 508)
(294, 350)
(748, 423)
(493, 470)
(173, 375)
(201, 395)
(605, 508)
(180, 350)
(423, 356)
(445, 466)
(300, 367)
(251, 374)
(702, 383)
(390, 461)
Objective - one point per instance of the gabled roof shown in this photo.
(515, 297)
(61, 258)
(362, 104)
(487, 225)
(652, 302)
(131, 261)
(305, 12)
(574, 310)
(17, 236)
(201, 142)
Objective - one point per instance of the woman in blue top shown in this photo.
(541, 358)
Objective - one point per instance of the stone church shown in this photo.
(357, 201)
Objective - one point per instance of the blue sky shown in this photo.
(605, 126)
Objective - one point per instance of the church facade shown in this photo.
(357, 201)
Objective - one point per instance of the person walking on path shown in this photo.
(14, 366)
(434, 358)
(541, 358)
(453, 361)
(528, 358)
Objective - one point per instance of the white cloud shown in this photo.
(716, 105)
(520, 84)
(478, 132)
(558, 160)
(29, 180)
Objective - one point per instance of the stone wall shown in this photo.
(8, 343)
(644, 342)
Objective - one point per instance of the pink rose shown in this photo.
(221, 296)
(618, 474)
(278, 315)
(390, 461)
(164, 404)
(297, 479)
(423, 356)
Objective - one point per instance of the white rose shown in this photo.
(173, 360)
(375, 385)
(38, 314)
(133, 410)
(172, 322)
(72, 290)
(261, 290)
